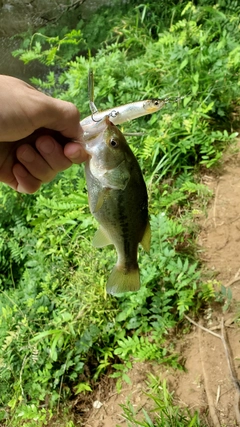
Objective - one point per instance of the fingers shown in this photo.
(45, 164)
(25, 182)
(40, 166)
(59, 115)
(75, 152)
(52, 158)
(69, 123)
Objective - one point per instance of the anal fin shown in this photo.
(101, 239)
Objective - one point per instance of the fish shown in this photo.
(118, 200)
(126, 112)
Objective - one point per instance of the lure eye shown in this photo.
(113, 143)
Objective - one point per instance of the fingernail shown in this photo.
(76, 154)
(46, 145)
(21, 189)
(27, 155)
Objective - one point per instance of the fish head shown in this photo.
(107, 148)
(153, 105)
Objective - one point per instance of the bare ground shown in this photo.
(211, 363)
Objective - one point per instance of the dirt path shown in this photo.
(206, 385)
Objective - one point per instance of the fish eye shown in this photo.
(156, 102)
(113, 143)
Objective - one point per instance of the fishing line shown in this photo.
(164, 99)
(176, 99)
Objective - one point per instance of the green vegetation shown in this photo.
(164, 414)
(59, 331)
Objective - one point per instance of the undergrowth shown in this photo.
(164, 412)
(59, 331)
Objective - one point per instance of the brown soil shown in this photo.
(206, 385)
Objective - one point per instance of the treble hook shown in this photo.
(96, 121)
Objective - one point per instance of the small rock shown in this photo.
(97, 404)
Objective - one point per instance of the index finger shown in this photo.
(55, 114)
(66, 119)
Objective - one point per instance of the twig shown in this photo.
(60, 388)
(233, 220)
(232, 370)
(212, 410)
(21, 372)
(230, 363)
(218, 394)
(65, 9)
(231, 282)
(229, 357)
(215, 205)
(237, 408)
(202, 327)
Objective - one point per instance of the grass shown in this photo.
(164, 413)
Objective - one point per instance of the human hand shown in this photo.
(25, 165)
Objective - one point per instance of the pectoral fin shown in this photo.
(100, 199)
(101, 239)
(117, 177)
(146, 240)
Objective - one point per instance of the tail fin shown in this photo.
(121, 280)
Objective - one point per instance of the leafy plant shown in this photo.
(59, 331)
(195, 58)
(164, 414)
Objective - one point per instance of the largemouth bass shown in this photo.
(119, 202)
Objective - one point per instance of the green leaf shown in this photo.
(183, 63)
(186, 100)
(126, 378)
(45, 334)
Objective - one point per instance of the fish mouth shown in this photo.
(152, 109)
(94, 129)
(105, 119)
(108, 121)
(95, 132)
